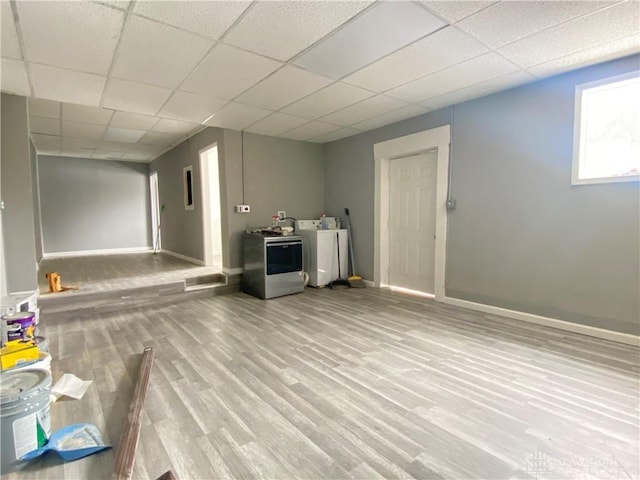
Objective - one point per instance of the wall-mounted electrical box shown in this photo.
(282, 214)
(241, 209)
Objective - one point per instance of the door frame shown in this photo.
(156, 213)
(207, 232)
(384, 152)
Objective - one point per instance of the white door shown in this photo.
(412, 225)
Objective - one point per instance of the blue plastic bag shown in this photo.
(72, 442)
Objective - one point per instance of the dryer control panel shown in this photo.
(333, 222)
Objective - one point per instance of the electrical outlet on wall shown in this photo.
(282, 214)
(241, 208)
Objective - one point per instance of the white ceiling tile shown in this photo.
(47, 126)
(479, 90)
(167, 125)
(134, 121)
(9, 44)
(310, 130)
(74, 35)
(43, 108)
(453, 11)
(82, 130)
(507, 22)
(476, 70)
(65, 85)
(191, 107)
(606, 25)
(276, 124)
(360, 41)
(84, 114)
(361, 111)
(13, 77)
(210, 19)
(260, 30)
(71, 152)
(237, 116)
(403, 113)
(105, 155)
(46, 143)
(227, 71)
(148, 149)
(138, 157)
(283, 87)
(328, 100)
(134, 97)
(113, 146)
(79, 144)
(157, 54)
(606, 51)
(337, 135)
(159, 138)
(115, 134)
(443, 49)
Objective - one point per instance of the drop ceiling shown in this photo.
(129, 80)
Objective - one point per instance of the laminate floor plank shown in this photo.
(346, 384)
(99, 273)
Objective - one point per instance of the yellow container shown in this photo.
(18, 352)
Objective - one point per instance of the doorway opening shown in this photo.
(211, 211)
(412, 153)
(156, 213)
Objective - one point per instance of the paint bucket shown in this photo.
(26, 321)
(42, 343)
(25, 422)
(14, 332)
(43, 363)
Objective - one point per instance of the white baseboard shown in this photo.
(183, 257)
(232, 271)
(106, 251)
(368, 283)
(625, 338)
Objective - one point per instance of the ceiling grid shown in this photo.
(129, 80)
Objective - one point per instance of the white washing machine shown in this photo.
(322, 248)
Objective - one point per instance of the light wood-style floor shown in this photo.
(349, 384)
(98, 273)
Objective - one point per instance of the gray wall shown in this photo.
(349, 173)
(37, 220)
(279, 174)
(522, 237)
(182, 230)
(18, 216)
(89, 204)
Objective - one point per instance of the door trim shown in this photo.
(384, 152)
(156, 214)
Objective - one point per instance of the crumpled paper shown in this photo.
(69, 386)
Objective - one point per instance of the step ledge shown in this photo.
(204, 286)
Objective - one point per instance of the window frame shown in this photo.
(187, 184)
(577, 133)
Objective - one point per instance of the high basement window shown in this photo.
(606, 145)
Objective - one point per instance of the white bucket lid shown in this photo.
(12, 317)
(16, 386)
